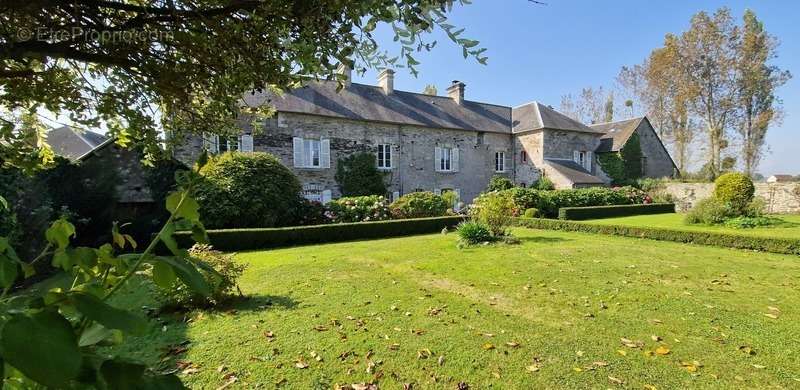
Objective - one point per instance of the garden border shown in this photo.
(764, 244)
(626, 210)
(265, 238)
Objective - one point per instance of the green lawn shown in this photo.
(548, 313)
(675, 221)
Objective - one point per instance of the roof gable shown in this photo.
(73, 144)
(535, 116)
(616, 133)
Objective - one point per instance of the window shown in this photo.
(230, 144)
(500, 162)
(446, 159)
(214, 144)
(584, 159)
(523, 155)
(384, 156)
(311, 153)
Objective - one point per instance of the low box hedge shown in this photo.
(265, 238)
(597, 212)
(764, 244)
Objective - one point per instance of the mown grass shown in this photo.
(373, 310)
(791, 229)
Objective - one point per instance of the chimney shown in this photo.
(456, 91)
(345, 70)
(386, 81)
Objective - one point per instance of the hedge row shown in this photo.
(596, 212)
(765, 244)
(252, 239)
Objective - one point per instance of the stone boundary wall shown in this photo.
(782, 198)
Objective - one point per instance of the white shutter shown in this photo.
(326, 196)
(387, 153)
(247, 143)
(576, 156)
(325, 153)
(458, 197)
(395, 195)
(506, 162)
(589, 161)
(297, 156)
(437, 191)
(454, 159)
(437, 157)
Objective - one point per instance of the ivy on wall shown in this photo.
(626, 165)
(358, 175)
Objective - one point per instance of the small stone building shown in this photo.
(421, 142)
(656, 161)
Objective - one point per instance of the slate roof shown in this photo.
(72, 143)
(367, 102)
(574, 172)
(535, 116)
(616, 133)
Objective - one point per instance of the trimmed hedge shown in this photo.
(597, 212)
(764, 244)
(264, 238)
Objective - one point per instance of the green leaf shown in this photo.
(42, 346)
(118, 374)
(99, 334)
(187, 272)
(163, 275)
(109, 316)
(189, 208)
(84, 257)
(59, 233)
(168, 240)
(9, 271)
(3, 203)
(199, 233)
(202, 160)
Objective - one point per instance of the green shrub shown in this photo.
(265, 238)
(548, 202)
(247, 190)
(419, 205)
(756, 208)
(544, 184)
(709, 211)
(312, 212)
(473, 232)
(359, 209)
(358, 175)
(735, 189)
(499, 183)
(738, 241)
(752, 222)
(223, 282)
(597, 212)
(494, 210)
(530, 213)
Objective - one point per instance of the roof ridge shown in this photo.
(435, 96)
(623, 120)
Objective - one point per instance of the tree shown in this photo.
(609, 109)
(757, 82)
(567, 107)
(430, 89)
(590, 105)
(358, 175)
(141, 67)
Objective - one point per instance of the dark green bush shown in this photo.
(735, 189)
(473, 233)
(499, 183)
(223, 282)
(548, 202)
(709, 211)
(544, 184)
(765, 244)
(753, 222)
(311, 212)
(597, 212)
(252, 239)
(419, 205)
(531, 213)
(359, 209)
(247, 190)
(358, 175)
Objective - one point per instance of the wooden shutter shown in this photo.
(589, 161)
(388, 156)
(247, 143)
(298, 152)
(437, 191)
(395, 195)
(454, 159)
(506, 162)
(437, 157)
(576, 156)
(325, 153)
(326, 196)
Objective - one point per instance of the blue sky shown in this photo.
(541, 52)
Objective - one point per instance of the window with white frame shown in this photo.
(213, 144)
(446, 159)
(311, 153)
(384, 156)
(500, 162)
(584, 159)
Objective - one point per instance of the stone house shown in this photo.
(421, 142)
(656, 161)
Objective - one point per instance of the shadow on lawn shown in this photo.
(543, 240)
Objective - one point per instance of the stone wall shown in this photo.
(658, 162)
(782, 198)
(412, 152)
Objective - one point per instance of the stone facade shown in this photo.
(657, 162)
(781, 198)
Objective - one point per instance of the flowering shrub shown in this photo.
(419, 205)
(634, 195)
(493, 210)
(548, 202)
(359, 209)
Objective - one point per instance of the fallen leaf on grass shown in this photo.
(615, 380)
(394, 347)
(662, 350)
(316, 356)
(320, 328)
(299, 363)
(533, 367)
(269, 335)
(771, 315)
(691, 366)
(488, 346)
(424, 353)
(621, 352)
(650, 387)
(512, 344)
(496, 374)
(440, 361)
(655, 338)
(631, 343)
(747, 350)
(759, 366)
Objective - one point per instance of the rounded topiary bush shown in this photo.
(419, 205)
(734, 189)
(247, 190)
